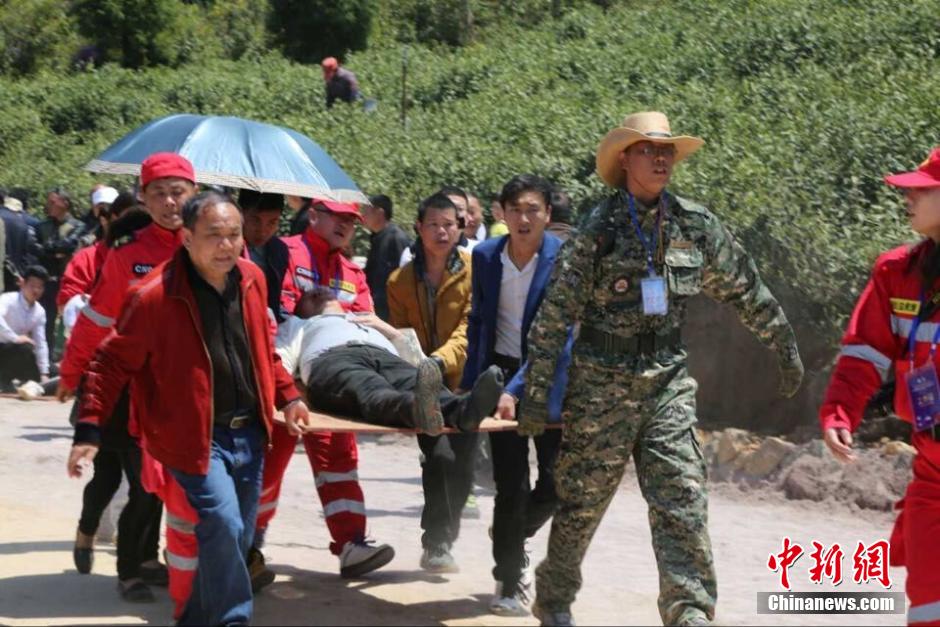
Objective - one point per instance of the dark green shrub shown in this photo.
(309, 30)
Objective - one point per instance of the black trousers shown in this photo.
(447, 478)
(17, 361)
(519, 510)
(139, 522)
(49, 294)
(371, 384)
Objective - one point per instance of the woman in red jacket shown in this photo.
(896, 326)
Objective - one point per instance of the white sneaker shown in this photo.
(30, 391)
(438, 560)
(510, 601)
(361, 557)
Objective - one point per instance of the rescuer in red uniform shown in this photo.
(896, 328)
(316, 258)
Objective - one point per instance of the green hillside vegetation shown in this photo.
(803, 107)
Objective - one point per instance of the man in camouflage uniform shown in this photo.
(630, 391)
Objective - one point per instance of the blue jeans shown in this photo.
(226, 500)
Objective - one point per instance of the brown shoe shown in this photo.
(261, 576)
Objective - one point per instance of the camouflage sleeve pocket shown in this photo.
(684, 270)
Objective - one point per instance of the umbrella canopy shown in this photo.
(234, 152)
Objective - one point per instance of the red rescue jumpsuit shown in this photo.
(80, 273)
(334, 457)
(875, 342)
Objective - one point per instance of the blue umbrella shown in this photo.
(237, 153)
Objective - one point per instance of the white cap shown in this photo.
(104, 194)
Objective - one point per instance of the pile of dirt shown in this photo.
(876, 480)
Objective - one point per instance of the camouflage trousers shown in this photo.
(649, 412)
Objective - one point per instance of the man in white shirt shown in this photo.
(474, 227)
(350, 365)
(24, 354)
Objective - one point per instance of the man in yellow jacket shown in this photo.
(431, 294)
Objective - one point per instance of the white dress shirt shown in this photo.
(299, 341)
(18, 318)
(513, 292)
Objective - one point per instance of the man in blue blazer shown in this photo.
(510, 276)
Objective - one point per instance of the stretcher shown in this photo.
(339, 424)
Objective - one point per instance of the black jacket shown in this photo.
(277, 257)
(20, 246)
(385, 251)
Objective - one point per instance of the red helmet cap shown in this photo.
(342, 208)
(926, 175)
(162, 165)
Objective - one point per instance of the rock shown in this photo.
(731, 443)
(811, 478)
(768, 457)
(895, 447)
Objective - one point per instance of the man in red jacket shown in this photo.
(167, 181)
(316, 258)
(194, 341)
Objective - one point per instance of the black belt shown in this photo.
(236, 419)
(509, 365)
(642, 344)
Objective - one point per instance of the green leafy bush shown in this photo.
(801, 114)
(309, 30)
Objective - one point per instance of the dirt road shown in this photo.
(40, 506)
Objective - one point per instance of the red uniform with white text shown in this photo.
(333, 457)
(875, 344)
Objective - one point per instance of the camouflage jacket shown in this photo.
(596, 282)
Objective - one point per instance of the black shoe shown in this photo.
(427, 399)
(482, 399)
(156, 575)
(135, 591)
(83, 558)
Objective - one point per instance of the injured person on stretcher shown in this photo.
(350, 366)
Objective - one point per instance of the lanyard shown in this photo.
(912, 338)
(648, 245)
(316, 273)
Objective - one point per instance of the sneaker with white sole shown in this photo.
(363, 556)
(510, 600)
(437, 559)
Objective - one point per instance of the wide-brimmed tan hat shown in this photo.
(637, 127)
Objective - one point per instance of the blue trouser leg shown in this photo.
(226, 501)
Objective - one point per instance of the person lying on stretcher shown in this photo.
(351, 367)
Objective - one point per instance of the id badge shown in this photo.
(925, 395)
(655, 302)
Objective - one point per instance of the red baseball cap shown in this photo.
(347, 208)
(161, 165)
(329, 63)
(926, 175)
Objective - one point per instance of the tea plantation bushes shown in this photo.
(803, 108)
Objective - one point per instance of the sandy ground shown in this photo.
(40, 506)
